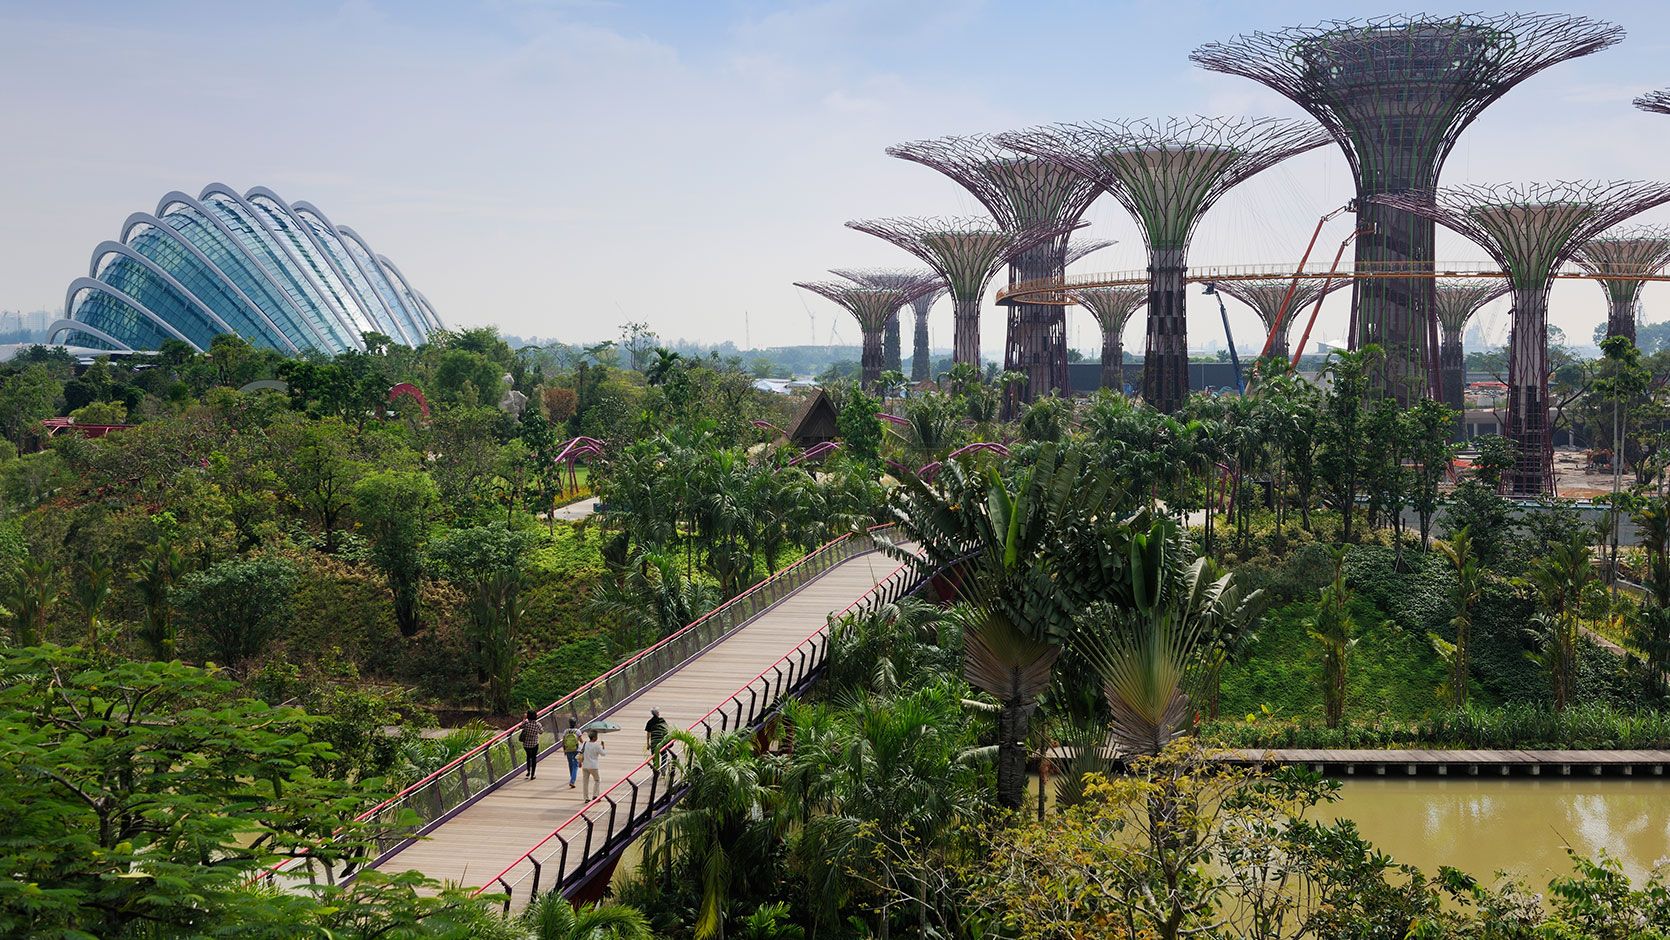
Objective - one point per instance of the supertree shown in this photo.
(870, 306)
(966, 253)
(1396, 92)
(1079, 248)
(1531, 230)
(1112, 307)
(1022, 193)
(1269, 298)
(1457, 299)
(1626, 256)
(919, 283)
(1657, 102)
(921, 358)
(1167, 173)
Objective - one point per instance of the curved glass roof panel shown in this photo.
(117, 316)
(264, 245)
(325, 234)
(417, 326)
(153, 290)
(194, 222)
(165, 249)
(305, 250)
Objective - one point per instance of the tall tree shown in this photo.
(486, 562)
(394, 509)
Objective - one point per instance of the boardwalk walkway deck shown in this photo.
(1446, 761)
(475, 845)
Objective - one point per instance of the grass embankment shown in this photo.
(1396, 675)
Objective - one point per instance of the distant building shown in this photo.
(281, 276)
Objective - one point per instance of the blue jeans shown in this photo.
(573, 765)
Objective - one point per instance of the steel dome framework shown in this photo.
(919, 284)
(280, 275)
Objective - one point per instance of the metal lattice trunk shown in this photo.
(1112, 307)
(1037, 339)
(891, 353)
(1165, 376)
(921, 356)
(1396, 93)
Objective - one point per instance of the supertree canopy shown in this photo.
(966, 253)
(1627, 256)
(1531, 230)
(1112, 307)
(1657, 102)
(1167, 173)
(870, 306)
(1278, 302)
(1079, 248)
(1395, 93)
(1458, 298)
(918, 283)
(1022, 193)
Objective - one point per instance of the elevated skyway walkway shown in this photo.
(481, 823)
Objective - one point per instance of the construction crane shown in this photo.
(1211, 290)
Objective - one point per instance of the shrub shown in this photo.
(560, 671)
(235, 607)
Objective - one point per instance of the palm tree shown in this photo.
(724, 827)
(889, 777)
(1153, 653)
(29, 597)
(1334, 630)
(1560, 578)
(1013, 667)
(155, 583)
(552, 917)
(89, 594)
(1459, 551)
(1039, 547)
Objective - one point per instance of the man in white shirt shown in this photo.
(591, 762)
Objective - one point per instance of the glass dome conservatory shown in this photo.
(280, 275)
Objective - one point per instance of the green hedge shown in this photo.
(1511, 726)
(552, 675)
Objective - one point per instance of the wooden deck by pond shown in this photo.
(1379, 762)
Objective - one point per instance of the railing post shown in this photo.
(504, 884)
(533, 891)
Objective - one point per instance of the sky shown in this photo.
(558, 168)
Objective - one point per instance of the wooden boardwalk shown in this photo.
(1366, 761)
(485, 837)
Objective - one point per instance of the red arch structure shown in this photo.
(575, 450)
(408, 390)
(931, 470)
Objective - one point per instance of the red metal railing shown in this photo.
(603, 827)
(443, 793)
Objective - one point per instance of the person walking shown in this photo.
(530, 741)
(591, 763)
(655, 732)
(571, 750)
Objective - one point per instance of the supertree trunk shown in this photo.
(965, 344)
(1165, 369)
(1452, 364)
(1113, 361)
(921, 360)
(872, 360)
(1533, 473)
(1037, 341)
(1620, 318)
(1395, 313)
(890, 344)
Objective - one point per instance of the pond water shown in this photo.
(1517, 825)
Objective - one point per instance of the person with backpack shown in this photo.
(571, 750)
(591, 766)
(655, 731)
(530, 741)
